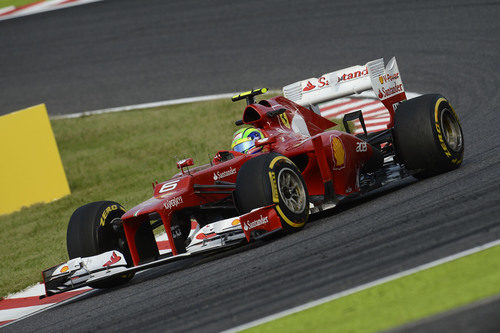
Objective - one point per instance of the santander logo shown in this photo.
(354, 75)
(322, 83)
(254, 224)
(223, 174)
(309, 86)
(112, 260)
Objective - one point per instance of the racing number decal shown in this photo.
(338, 152)
(167, 187)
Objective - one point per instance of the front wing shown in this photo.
(80, 272)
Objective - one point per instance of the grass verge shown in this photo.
(109, 157)
(17, 3)
(400, 301)
(113, 156)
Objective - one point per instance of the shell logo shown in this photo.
(64, 269)
(381, 79)
(235, 222)
(338, 152)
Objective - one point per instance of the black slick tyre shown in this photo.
(273, 178)
(428, 137)
(91, 232)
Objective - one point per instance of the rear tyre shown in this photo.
(273, 178)
(91, 232)
(427, 135)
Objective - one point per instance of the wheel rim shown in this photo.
(291, 190)
(451, 130)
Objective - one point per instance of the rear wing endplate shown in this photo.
(384, 81)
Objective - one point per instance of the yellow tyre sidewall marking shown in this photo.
(272, 177)
(438, 127)
(274, 188)
(287, 220)
(108, 210)
(276, 159)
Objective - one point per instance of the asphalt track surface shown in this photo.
(127, 52)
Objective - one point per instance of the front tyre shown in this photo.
(427, 135)
(91, 232)
(273, 178)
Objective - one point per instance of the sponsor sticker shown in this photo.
(322, 83)
(223, 174)
(395, 89)
(361, 147)
(254, 224)
(353, 75)
(388, 78)
(64, 269)
(112, 260)
(309, 86)
(338, 152)
(174, 202)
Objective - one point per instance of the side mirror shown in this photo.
(185, 163)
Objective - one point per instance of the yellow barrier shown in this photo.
(31, 170)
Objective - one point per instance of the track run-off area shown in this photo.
(114, 53)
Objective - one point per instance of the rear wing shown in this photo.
(385, 81)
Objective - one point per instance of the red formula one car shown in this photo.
(303, 165)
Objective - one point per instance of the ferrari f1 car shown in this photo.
(304, 166)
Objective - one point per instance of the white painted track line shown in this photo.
(146, 105)
(7, 9)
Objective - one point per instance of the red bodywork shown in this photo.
(328, 159)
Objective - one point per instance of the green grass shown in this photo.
(109, 157)
(116, 157)
(17, 3)
(400, 301)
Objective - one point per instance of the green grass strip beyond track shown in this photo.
(17, 3)
(403, 300)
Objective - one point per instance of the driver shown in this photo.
(244, 140)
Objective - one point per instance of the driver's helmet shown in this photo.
(244, 140)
